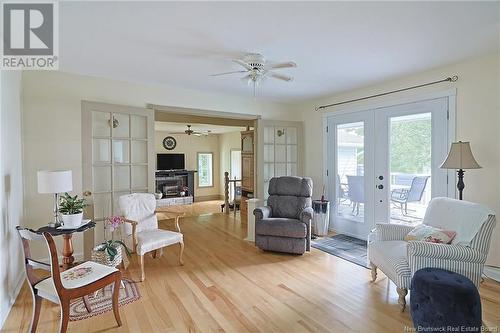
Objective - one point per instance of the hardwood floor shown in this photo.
(229, 285)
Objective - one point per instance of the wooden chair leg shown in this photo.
(373, 272)
(87, 304)
(37, 305)
(116, 293)
(141, 263)
(402, 297)
(181, 251)
(63, 324)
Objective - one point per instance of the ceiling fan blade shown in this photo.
(242, 63)
(289, 64)
(225, 73)
(281, 77)
(176, 132)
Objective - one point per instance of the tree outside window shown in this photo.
(205, 170)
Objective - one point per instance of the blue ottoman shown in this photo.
(444, 301)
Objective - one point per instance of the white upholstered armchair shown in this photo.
(466, 255)
(141, 227)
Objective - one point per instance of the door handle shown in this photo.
(87, 193)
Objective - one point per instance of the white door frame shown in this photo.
(450, 94)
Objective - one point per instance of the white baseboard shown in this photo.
(20, 281)
(492, 273)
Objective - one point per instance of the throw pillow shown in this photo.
(430, 234)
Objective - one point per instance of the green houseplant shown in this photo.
(109, 252)
(71, 209)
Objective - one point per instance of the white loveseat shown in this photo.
(466, 255)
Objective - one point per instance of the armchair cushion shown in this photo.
(287, 205)
(281, 227)
(391, 257)
(150, 240)
(262, 212)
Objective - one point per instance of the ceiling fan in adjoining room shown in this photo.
(189, 131)
(257, 68)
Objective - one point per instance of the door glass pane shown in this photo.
(139, 176)
(121, 125)
(101, 151)
(268, 171)
(280, 169)
(268, 153)
(291, 153)
(280, 153)
(291, 169)
(138, 127)
(410, 167)
(291, 135)
(350, 171)
(102, 178)
(268, 135)
(121, 151)
(116, 197)
(280, 135)
(100, 123)
(102, 210)
(139, 151)
(121, 179)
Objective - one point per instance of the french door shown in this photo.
(383, 164)
(117, 155)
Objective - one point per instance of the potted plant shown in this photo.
(71, 209)
(109, 252)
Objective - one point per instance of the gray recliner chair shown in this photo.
(284, 225)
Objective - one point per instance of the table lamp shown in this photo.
(55, 182)
(460, 157)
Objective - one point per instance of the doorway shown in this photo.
(383, 164)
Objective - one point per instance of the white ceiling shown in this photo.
(337, 45)
(181, 127)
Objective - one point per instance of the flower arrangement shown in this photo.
(109, 250)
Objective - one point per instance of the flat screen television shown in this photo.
(170, 162)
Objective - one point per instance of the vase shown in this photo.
(100, 256)
(72, 220)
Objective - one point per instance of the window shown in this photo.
(205, 170)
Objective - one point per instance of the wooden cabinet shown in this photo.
(247, 171)
(247, 161)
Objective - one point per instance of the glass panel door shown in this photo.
(352, 160)
(383, 165)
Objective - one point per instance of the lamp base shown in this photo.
(460, 184)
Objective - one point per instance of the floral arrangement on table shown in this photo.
(110, 251)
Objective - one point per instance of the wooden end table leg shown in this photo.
(67, 251)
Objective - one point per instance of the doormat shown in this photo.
(345, 247)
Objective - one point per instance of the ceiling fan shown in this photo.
(257, 68)
(189, 131)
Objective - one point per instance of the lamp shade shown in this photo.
(55, 181)
(460, 157)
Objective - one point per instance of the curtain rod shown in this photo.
(453, 78)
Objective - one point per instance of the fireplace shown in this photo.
(174, 183)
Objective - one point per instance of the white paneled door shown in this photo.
(118, 156)
(383, 164)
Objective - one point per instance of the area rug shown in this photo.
(343, 246)
(103, 301)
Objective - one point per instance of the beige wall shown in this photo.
(51, 118)
(191, 145)
(227, 142)
(11, 190)
(478, 121)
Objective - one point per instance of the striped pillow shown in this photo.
(430, 234)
